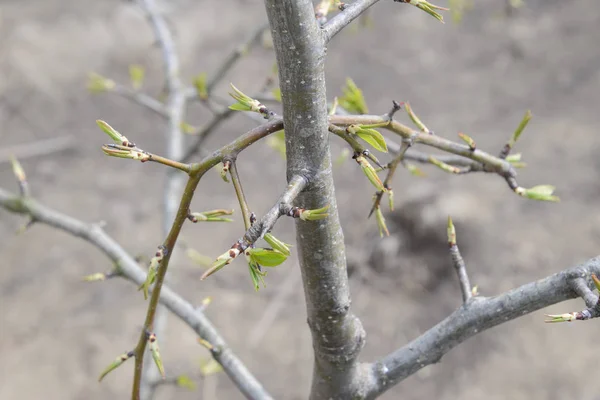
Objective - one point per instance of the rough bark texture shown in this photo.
(337, 334)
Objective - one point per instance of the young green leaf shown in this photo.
(374, 138)
(266, 257)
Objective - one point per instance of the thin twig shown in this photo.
(459, 263)
(239, 192)
(140, 98)
(174, 111)
(349, 14)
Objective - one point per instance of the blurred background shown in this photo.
(478, 77)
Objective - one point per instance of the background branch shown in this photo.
(174, 111)
(130, 270)
(347, 15)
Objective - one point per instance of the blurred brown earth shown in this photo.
(478, 77)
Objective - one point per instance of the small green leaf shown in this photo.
(413, 117)
(115, 364)
(569, 317)
(451, 232)
(114, 134)
(266, 257)
(370, 173)
(200, 85)
(443, 166)
(153, 344)
(277, 244)
(240, 107)
(381, 223)
(255, 273)
(374, 138)
(136, 75)
(99, 84)
(540, 192)
(353, 100)
(314, 215)
(517, 133)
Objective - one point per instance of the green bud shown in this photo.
(569, 317)
(313, 215)
(277, 244)
(427, 7)
(520, 128)
(540, 192)
(221, 261)
(391, 199)
(381, 223)
(415, 119)
(114, 134)
(136, 75)
(114, 150)
(451, 232)
(95, 277)
(223, 171)
(245, 103)
(468, 140)
(200, 85)
(152, 271)
(153, 344)
(115, 364)
(353, 100)
(370, 172)
(211, 216)
(98, 84)
(443, 166)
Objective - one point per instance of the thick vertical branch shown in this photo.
(337, 334)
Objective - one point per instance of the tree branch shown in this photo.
(347, 15)
(474, 317)
(129, 269)
(337, 334)
(174, 111)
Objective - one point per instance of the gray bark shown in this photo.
(337, 334)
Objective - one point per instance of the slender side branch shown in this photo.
(129, 269)
(239, 192)
(174, 111)
(348, 14)
(459, 263)
(491, 163)
(479, 315)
